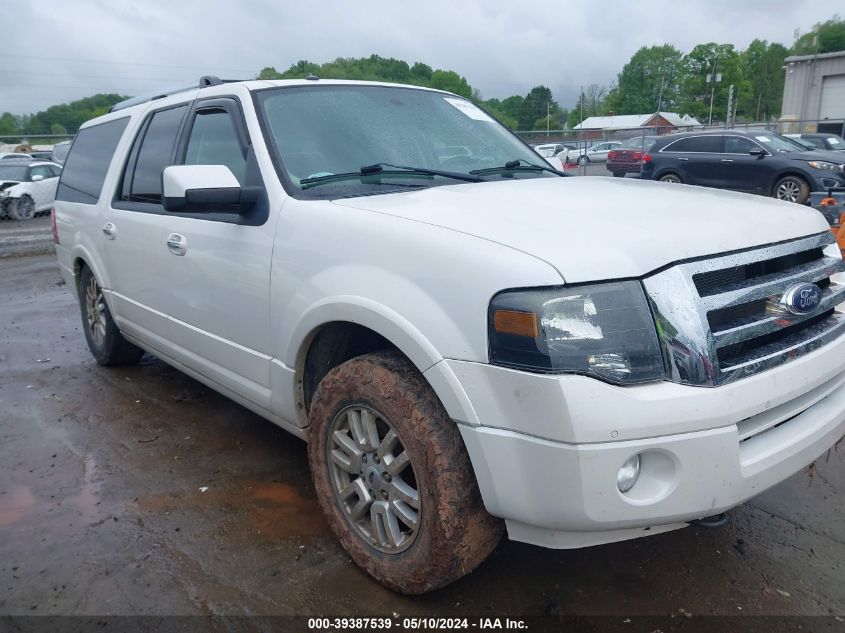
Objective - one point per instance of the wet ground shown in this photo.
(139, 491)
(25, 238)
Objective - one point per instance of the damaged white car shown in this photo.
(27, 188)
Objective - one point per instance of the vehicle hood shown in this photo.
(829, 155)
(595, 228)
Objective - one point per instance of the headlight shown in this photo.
(823, 164)
(4, 193)
(602, 330)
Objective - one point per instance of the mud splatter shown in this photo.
(15, 504)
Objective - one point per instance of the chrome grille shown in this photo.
(720, 319)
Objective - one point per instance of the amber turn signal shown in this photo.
(516, 323)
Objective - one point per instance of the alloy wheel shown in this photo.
(95, 308)
(789, 190)
(373, 479)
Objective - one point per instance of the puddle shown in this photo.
(15, 504)
(86, 501)
(276, 510)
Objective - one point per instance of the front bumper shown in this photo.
(547, 449)
(823, 180)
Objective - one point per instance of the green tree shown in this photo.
(8, 124)
(68, 116)
(712, 59)
(594, 96)
(537, 103)
(762, 67)
(375, 68)
(826, 37)
(450, 81)
(579, 111)
(648, 82)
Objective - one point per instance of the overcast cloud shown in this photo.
(58, 50)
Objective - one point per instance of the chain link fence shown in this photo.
(570, 146)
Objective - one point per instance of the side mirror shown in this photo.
(37, 177)
(205, 189)
(757, 152)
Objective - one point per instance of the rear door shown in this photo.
(134, 232)
(218, 281)
(696, 159)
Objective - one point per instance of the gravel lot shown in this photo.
(139, 491)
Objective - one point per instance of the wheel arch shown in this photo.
(337, 331)
(786, 173)
(84, 257)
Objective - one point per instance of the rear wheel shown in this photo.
(792, 189)
(105, 341)
(583, 160)
(22, 208)
(393, 476)
(671, 178)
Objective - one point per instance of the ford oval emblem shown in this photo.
(801, 298)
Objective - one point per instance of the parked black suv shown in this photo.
(752, 161)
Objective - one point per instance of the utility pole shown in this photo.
(548, 114)
(729, 112)
(660, 96)
(716, 78)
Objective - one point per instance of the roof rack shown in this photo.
(204, 82)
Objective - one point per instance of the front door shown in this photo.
(743, 172)
(217, 265)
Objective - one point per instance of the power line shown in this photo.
(24, 72)
(103, 61)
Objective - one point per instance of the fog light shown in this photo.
(628, 474)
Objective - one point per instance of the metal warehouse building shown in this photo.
(814, 93)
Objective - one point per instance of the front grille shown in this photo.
(715, 281)
(721, 319)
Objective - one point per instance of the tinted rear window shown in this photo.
(696, 144)
(88, 162)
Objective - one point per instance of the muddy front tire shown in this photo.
(393, 476)
(105, 341)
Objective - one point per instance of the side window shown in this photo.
(88, 161)
(56, 170)
(40, 170)
(214, 141)
(152, 152)
(739, 145)
(696, 144)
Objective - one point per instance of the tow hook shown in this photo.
(711, 523)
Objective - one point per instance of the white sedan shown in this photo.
(595, 154)
(27, 188)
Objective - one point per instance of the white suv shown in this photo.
(467, 342)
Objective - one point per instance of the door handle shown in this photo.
(682, 158)
(109, 230)
(727, 160)
(177, 244)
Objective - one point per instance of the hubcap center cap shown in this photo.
(372, 475)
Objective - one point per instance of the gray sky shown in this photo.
(59, 50)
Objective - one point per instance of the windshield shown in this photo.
(778, 143)
(12, 172)
(338, 129)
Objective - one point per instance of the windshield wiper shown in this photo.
(379, 171)
(517, 165)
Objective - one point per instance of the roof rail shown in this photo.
(204, 82)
